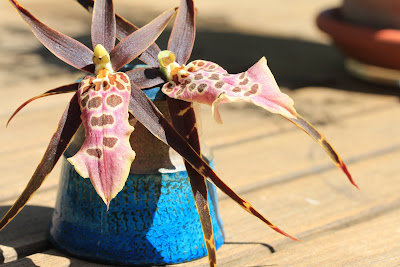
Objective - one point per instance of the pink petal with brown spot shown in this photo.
(106, 154)
(210, 84)
(206, 82)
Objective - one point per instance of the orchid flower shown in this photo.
(103, 84)
(206, 82)
(104, 100)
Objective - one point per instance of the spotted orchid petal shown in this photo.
(106, 154)
(206, 82)
(183, 119)
(67, 127)
(59, 90)
(148, 115)
(62, 46)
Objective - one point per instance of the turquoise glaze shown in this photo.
(153, 220)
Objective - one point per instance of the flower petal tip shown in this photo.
(215, 111)
(346, 171)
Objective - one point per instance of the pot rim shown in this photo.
(371, 45)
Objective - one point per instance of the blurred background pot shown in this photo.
(375, 13)
(367, 32)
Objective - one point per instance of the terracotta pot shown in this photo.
(380, 47)
(376, 13)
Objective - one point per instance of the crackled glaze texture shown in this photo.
(153, 220)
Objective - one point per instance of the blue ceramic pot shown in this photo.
(153, 220)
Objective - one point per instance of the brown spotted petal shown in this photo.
(106, 154)
(183, 119)
(321, 140)
(206, 82)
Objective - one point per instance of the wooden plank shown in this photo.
(22, 149)
(27, 233)
(306, 208)
(274, 159)
(373, 242)
(52, 258)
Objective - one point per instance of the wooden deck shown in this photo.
(263, 157)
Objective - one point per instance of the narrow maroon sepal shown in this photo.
(59, 90)
(145, 77)
(183, 33)
(103, 24)
(125, 28)
(62, 46)
(67, 127)
(137, 42)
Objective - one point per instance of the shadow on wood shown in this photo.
(26, 234)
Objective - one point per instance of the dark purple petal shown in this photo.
(103, 24)
(149, 56)
(323, 142)
(183, 33)
(145, 78)
(147, 114)
(67, 127)
(184, 121)
(59, 90)
(125, 28)
(137, 42)
(62, 46)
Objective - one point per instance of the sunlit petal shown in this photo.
(184, 121)
(206, 82)
(106, 154)
(62, 46)
(125, 28)
(137, 42)
(103, 24)
(183, 33)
